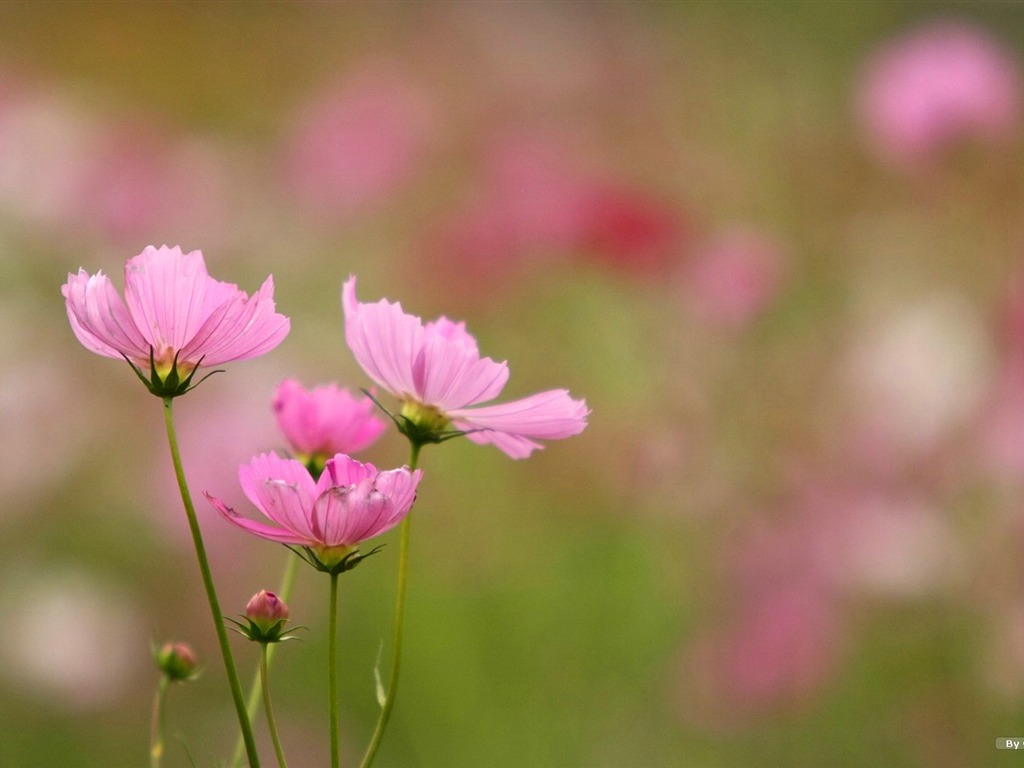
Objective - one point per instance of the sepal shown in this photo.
(325, 563)
(171, 384)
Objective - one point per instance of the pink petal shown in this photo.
(383, 339)
(400, 486)
(100, 319)
(239, 329)
(550, 415)
(282, 489)
(513, 446)
(165, 293)
(343, 470)
(347, 515)
(260, 529)
(451, 374)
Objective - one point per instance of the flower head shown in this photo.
(174, 316)
(324, 421)
(436, 370)
(329, 517)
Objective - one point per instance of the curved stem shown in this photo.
(332, 667)
(264, 673)
(211, 592)
(396, 643)
(156, 749)
(255, 689)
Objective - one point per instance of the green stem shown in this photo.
(264, 673)
(211, 592)
(399, 621)
(255, 689)
(156, 749)
(332, 667)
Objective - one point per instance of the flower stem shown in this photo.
(211, 592)
(396, 643)
(264, 672)
(255, 695)
(332, 667)
(156, 749)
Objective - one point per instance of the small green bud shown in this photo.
(177, 661)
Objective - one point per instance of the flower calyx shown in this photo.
(334, 560)
(167, 382)
(422, 424)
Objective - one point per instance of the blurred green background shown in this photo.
(776, 246)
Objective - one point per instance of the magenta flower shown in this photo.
(173, 316)
(436, 370)
(329, 517)
(324, 421)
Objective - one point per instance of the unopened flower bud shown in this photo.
(265, 617)
(266, 609)
(177, 661)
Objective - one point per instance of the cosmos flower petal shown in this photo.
(451, 375)
(263, 530)
(384, 340)
(513, 446)
(165, 293)
(369, 514)
(400, 486)
(547, 415)
(281, 489)
(240, 328)
(344, 470)
(99, 318)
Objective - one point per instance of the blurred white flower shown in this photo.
(74, 641)
(917, 373)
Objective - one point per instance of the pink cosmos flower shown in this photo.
(778, 651)
(436, 370)
(733, 278)
(350, 503)
(938, 85)
(360, 141)
(173, 314)
(324, 421)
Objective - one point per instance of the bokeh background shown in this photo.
(778, 248)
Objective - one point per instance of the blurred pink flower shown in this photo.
(733, 278)
(938, 85)
(777, 651)
(1001, 427)
(437, 371)
(533, 204)
(355, 144)
(138, 181)
(173, 311)
(324, 421)
(350, 503)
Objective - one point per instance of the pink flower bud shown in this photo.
(177, 661)
(265, 610)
